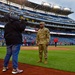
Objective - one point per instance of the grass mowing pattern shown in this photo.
(59, 59)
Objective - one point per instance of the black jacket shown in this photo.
(12, 32)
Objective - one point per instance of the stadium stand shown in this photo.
(59, 24)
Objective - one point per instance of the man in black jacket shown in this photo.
(13, 38)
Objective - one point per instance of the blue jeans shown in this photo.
(12, 50)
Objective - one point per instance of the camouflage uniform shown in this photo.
(42, 39)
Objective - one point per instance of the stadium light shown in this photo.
(56, 7)
(45, 4)
(67, 9)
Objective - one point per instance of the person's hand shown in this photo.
(37, 44)
(47, 44)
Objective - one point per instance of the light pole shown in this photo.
(8, 2)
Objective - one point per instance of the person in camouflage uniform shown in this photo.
(42, 40)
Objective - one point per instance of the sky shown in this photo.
(62, 3)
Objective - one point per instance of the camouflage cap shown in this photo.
(42, 23)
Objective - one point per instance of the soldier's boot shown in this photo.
(45, 62)
(39, 61)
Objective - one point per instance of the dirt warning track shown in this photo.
(49, 48)
(33, 70)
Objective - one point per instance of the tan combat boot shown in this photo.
(39, 61)
(45, 62)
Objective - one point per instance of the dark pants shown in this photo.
(55, 44)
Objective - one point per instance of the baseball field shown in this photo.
(61, 61)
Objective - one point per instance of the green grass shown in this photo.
(57, 59)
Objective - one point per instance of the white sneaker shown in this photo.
(5, 69)
(15, 71)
